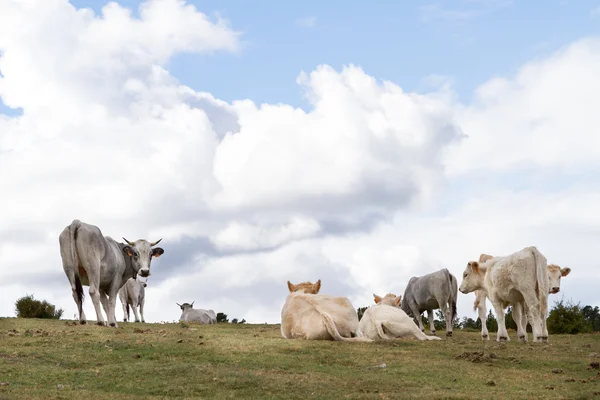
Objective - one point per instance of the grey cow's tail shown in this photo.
(78, 287)
(127, 308)
(453, 292)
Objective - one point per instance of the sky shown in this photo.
(357, 144)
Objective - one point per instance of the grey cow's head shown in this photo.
(141, 253)
(186, 306)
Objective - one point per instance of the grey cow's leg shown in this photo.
(431, 323)
(71, 277)
(417, 315)
(95, 294)
(447, 311)
(134, 306)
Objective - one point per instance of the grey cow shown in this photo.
(133, 294)
(429, 292)
(190, 314)
(91, 259)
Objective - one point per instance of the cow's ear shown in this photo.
(157, 252)
(317, 286)
(474, 266)
(376, 298)
(565, 271)
(291, 287)
(398, 300)
(128, 250)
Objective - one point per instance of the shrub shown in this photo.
(222, 317)
(360, 311)
(567, 318)
(28, 307)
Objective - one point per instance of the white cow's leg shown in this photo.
(533, 307)
(482, 311)
(142, 309)
(544, 316)
(431, 324)
(517, 313)
(502, 335)
(134, 306)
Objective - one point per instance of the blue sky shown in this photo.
(401, 41)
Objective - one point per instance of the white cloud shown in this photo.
(307, 22)
(369, 187)
(595, 11)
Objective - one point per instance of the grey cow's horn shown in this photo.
(155, 243)
(128, 242)
(178, 304)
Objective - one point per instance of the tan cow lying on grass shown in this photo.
(386, 320)
(309, 315)
(554, 274)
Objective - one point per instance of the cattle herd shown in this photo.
(522, 280)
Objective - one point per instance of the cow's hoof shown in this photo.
(113, 324)
(137, 320)
(100, 323)
(143, 322)
(523, 338)
(448, 333)
(485, 337)
(124, 320)
(503, 339)
(433, 332)
(83, 322)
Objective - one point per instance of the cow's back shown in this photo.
(423, 288)
(302, 316)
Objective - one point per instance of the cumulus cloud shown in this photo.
(367, 187)
(307, 22)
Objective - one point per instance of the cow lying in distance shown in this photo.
(309, 315)
(429, 292)
(554, 274)
(521, 280)
(386, 321)
(191, 314)
(133, 294)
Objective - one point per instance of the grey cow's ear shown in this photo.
(128, 251)
(157, 252)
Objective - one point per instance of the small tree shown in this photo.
(28, 307)
(508, 319)
(222, 317)
(567, 318)
(234, 321)
(592, 316)
(491, 322)
(360, 311)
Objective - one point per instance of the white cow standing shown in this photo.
(309, 315)
(555, 273)
(191, 314)
(133, 294)
(387, 321)
(520, 280)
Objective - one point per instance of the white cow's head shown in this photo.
(389, 299)
(472, 277)
(186, 306)
(305, 287)
(141, 253)
(554, 274)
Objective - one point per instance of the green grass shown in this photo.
(52, 359)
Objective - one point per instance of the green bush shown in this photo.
(28, 307)
(222, 318)
(360, 311)
(567, 318)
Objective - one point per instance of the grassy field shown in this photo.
(54, 359)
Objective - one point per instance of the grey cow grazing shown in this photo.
(91, 259)
(191, 314)
(429, 292)
(133, 294)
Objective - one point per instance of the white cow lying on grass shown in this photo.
(386, 320)
(309, 315)
(555, 273)
(190, 314)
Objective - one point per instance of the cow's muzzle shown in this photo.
(144, 273)
(555, 290)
